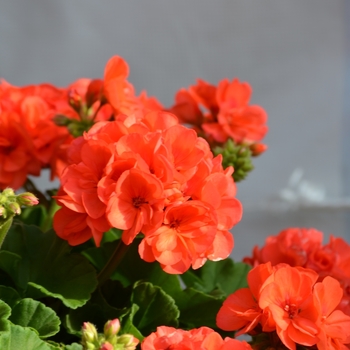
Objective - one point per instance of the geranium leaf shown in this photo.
(21, 338)
(156, 308)
(33, 314)
(225, 276)
(103, 306)
(197, 308)
(46, 264)
(35, 215)
(127, 323)
(132, 268)
(9, 296)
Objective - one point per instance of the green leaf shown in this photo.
(224, 276)
(35, 215)
(47, 265)
(132, 268)
(5, 312)
(33, 314)
(128, 326)
(5, 225)
(103, 306)
(197, 308)
(21, 338)
(74, 346)
(156, 308)
(88, 313)
(112, 235)
(9, 296)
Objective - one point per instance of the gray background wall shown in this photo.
(293, 53)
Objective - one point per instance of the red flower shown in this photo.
(188, 229)
(228, 113)
(138, 202)
(202, 338)
(17, 153)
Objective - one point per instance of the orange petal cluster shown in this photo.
(290, 302)
(29, 138)
(146, 173)
(303, 247)
(222, 112)
(202, 338)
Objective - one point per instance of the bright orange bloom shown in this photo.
(334, 324)
(241, 311)
(17, 153)
(202, 338)
(291, 246)
(120, 93)
(228, 115)
(290, 301)
(77, 227)
(188, 230)
(138, 202)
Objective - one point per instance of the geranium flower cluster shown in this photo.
(303, 247)
(288, 301)
(31, 119)
(202, 338)
(146, 173)
(29, 139)
(222, 112)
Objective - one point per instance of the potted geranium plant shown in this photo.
(133, 247)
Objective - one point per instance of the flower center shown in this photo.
(292, 310)
(175, 224)
(6, 149)
(138, 201)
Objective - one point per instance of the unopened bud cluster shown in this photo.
(10, 203)
(109, 340)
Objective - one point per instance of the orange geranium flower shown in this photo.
(138, 202)
(334, 324)
(202, 338)
(188, 230)
(17, 153)
(241, 311)
(288, 297)
(227, 112)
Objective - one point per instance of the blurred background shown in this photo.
(294, 54)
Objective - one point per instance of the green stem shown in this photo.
(4, 228)
(113, 262)
(47, 224)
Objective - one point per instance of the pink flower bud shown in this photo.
(107, 346)
(129, 341)
(14, 207)
(257, 149)
(111, 328)
(27, 199)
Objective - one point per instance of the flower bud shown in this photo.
(14, 208)
(129, 341)
(74, 100)
(111, 328)
(8, 192)
(257, 149)
(106, 346)
(27, 199)
(89, 336)
(236, 155)
(3, 212)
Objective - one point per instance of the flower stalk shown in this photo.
(113, 262)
